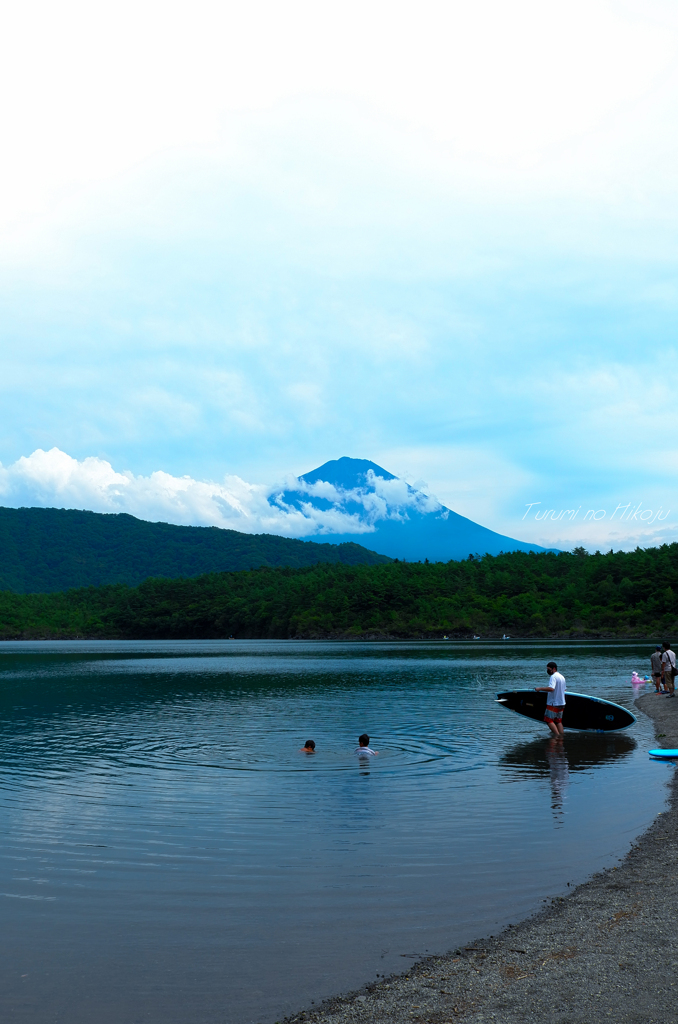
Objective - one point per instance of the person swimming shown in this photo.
(363, 749)
(308, 747)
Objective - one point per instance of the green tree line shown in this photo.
(521, 593)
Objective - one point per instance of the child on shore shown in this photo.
(656, 665)
(363, 749)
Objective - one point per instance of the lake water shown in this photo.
(168, 855)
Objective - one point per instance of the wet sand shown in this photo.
(603, 952)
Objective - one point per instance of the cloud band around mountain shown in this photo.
(54, 479)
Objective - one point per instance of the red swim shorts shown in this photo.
(553, 714)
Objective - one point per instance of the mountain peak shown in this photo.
(393, 518)
(345, 473)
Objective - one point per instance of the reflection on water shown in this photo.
(169, 854)
(555, 759)
(584, 752)
(559, 771)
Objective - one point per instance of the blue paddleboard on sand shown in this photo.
(667, 754)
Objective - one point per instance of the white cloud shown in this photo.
(604, 535)
(54, 479)
(486, 486)
(379, 499)
(503, 83)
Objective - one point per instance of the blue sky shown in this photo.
(236, 244)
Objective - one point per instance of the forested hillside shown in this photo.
(46, 549)
(523, 594)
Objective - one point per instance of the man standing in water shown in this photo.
(555, 701)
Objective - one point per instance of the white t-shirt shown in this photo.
(365, 752)
(557, 698)
(668, 660)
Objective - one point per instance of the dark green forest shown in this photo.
(524, 594)
(44, 549)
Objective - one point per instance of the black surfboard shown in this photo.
(581, 712)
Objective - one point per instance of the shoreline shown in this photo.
(337, 637)
(602, 951)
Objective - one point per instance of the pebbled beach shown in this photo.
(603, 952)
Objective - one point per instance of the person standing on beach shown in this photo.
(555, 700)
(668, 669)
(656, 667)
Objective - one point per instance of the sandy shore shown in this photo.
(602, 953)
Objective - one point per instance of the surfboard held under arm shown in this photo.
(592, 714)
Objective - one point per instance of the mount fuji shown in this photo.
(389, 516)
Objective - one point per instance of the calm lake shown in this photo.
(168, 855)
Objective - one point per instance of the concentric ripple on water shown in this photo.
(169, 855)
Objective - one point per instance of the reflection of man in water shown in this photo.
(560, 775)
(555, 700)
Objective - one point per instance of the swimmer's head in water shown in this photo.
(309, 745)
(364, 740)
